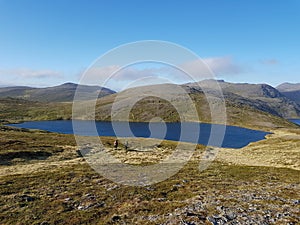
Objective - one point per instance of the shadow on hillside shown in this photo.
(9, 157)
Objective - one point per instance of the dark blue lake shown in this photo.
(202, 133)
(297, 121)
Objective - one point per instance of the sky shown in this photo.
(50, 42)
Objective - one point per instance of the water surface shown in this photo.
(297, 121)
(235, 137)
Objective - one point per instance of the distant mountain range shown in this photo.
(252, 105)
(291, 91)
(259, 105)
(259, 96)
(61, 93)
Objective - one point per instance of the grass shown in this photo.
(280, 149)
(63, 189)
(60, 196)
(18, 110)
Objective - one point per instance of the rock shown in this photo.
(191, 214)
(100, 204)
(27, 198)
(230, 215)
(296, 202)
(188, 223)
(81, 207)
(211, 220)
(44, 223)
(116, 218)
(112, 188)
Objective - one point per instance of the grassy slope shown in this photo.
(15, 110)
(63, 189)
(60, 93)
(238, 115)
(280, 149)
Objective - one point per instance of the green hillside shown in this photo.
(61, 93)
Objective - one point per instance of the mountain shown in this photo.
(262, 97)
(61, 93)
(248, 105)
(291, 91)
(251, 111)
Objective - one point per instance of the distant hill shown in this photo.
(248, 105)
(258, 96)
(16, 110)
(241, 110)
(61, 93)
(291, 91)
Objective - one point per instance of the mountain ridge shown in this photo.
(60, 93)
(290, 90)
(259, 105)
(263, 97)
(241, 111)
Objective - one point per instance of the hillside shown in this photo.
(241, 111)
(247, 105)
(16, 110)
(43, 180)
(61, 93)
(291, 91)
(262, 97)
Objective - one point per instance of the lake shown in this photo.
(235, 137)
(297, 121)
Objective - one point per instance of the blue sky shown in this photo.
(44, 43)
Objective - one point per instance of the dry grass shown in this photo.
(64, 189)
(280, 149)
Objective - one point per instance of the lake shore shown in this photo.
(200, 133)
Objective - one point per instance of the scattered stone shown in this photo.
(211, 220)
(27, 198)
(230, 215)
(67, 199)
(112, 188)
(80, 207)
(116, 218)
(44, 223)
(296, 202)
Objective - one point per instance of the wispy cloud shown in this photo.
(30, 77)
(223, 65)
(269, 61)
(213, 66)
(116, 77)
(30, 73)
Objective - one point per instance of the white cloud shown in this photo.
(223, 65)
(30, 77)
(30, 73)
(117, 78)
(114, 76)
(218, 65)
(98, 74)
